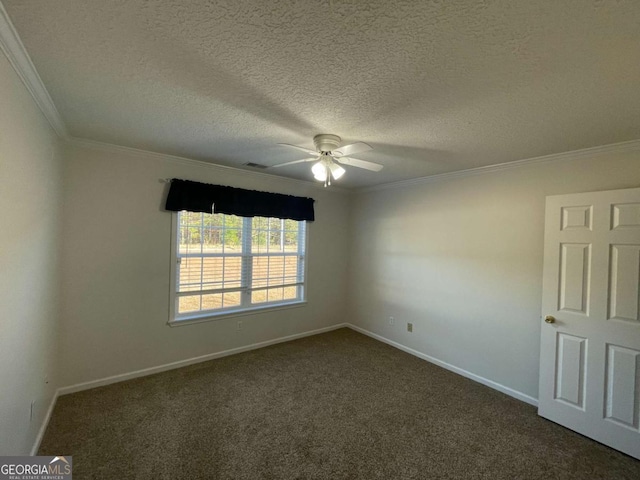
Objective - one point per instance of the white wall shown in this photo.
(116, 260)
(29, 218)
(462, 260)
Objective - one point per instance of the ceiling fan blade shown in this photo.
(357, 147)
(354, 162)
(294, 162)
(304, 149)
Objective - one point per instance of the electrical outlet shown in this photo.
(239, 325)
(33, 406)
(409, 327)
(392, 321)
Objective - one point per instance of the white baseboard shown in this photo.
(485, 381)
(45, 424)
(190, 361)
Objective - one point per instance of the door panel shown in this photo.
(577, 218)
(623, 386)
(590, 349)
(575, 262)
(570, 367)
(625, 216)
(624, 292)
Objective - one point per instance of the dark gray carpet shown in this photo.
(337, 405)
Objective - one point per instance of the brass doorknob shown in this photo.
(550, 319)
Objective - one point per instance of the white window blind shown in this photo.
(226, 263)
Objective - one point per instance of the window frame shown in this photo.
(210, 315)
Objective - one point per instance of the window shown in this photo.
(227, 264)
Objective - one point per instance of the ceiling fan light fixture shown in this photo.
(329, 151)
(319, 171)
(336, 171)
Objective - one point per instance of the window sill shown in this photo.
(234, 313)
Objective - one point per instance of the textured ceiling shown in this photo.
(433, 86)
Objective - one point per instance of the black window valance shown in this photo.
(203, 197)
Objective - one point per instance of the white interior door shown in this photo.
(590, 340)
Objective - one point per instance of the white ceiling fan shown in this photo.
(327, 156)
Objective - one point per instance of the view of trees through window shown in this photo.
(221, 257)
(220, 232)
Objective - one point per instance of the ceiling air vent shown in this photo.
(256, 165)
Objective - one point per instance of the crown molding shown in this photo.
(17, 55)
(622, 147)
(113, 148)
